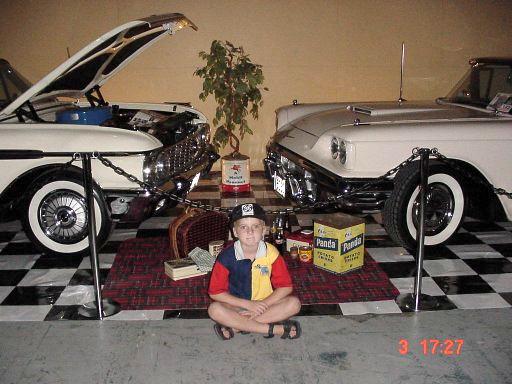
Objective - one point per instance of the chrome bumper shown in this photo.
(307, 183)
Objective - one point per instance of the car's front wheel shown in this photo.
(55, 216)
(444, 211)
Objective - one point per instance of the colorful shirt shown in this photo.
(254, 280)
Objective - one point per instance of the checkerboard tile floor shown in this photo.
(473, 271)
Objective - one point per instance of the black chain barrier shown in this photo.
(321, 204)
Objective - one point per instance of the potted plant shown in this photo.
(235, 82)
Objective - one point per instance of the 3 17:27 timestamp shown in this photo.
(433, 346)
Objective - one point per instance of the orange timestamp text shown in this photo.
(432, 346)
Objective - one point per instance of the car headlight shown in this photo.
(339, 149)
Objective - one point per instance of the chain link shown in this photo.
(416, 152)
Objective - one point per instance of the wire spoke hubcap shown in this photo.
(63, 217)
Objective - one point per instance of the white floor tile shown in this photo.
(24, 312)
(475, 251)
(76, 295)
(9, 262)
(137, 315)
(124, 234)
(479, 301)
(389, 254)
(374, 229)
(4, 292)
(47, 277)
(379, 307)
(498, 237)
(156, 222)
(20, 237)
(450, 267)
(428, 286)
(500, 282)
(106, 260)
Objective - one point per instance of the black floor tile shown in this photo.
(456, 285)
(155, 232)
(186, 314)
(485, 266)
(481, 226)
(127, 225)
(438, 252)
(320, 310)
(369, 219)
(53, 261)
(111, 247)
(5, 237)
(207, 188)
(400, 269)
(85, 277)
(507, 296)
(273, 201)
(376, 241)
(20, 249)
(262, 187)
(443, 304)
(11, 277)
(33, 295)
(504, 249)
(464, 238)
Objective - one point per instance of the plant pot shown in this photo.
(236, 173)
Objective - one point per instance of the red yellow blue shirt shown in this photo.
(251, 280)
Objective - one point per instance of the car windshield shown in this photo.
(12, 84)
(481, 84)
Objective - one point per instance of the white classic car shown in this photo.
(43, 125)
(325, 150)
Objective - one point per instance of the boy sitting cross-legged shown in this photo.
(250, 285)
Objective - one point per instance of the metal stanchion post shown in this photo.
(418, 301)
(99, 308)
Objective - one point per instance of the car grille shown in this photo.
(163, 164)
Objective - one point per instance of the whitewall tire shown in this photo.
(444, 212)
(55, 216)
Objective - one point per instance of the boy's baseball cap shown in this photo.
(247, 210)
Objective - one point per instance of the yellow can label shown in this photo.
(338, 250)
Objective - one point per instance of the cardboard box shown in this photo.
(339, 243)
(298, 239)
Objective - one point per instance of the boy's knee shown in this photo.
(214, 310)
(294, 304)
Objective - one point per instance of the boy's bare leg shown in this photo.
(229, 316)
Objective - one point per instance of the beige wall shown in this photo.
(313, 51)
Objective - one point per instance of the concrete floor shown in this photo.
(343, 349)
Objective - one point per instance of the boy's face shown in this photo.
(249, 230)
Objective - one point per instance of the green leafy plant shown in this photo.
(235, 82)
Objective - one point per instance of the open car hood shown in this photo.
(92, 66)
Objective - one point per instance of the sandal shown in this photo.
(270, 331)
(287, 325)
(220, 329)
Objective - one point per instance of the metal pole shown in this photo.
(418, 301)
(101, 307)
(420, 235)
(91, 220)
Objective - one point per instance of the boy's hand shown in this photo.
(256, 308)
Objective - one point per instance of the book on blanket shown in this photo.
(178, 269)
